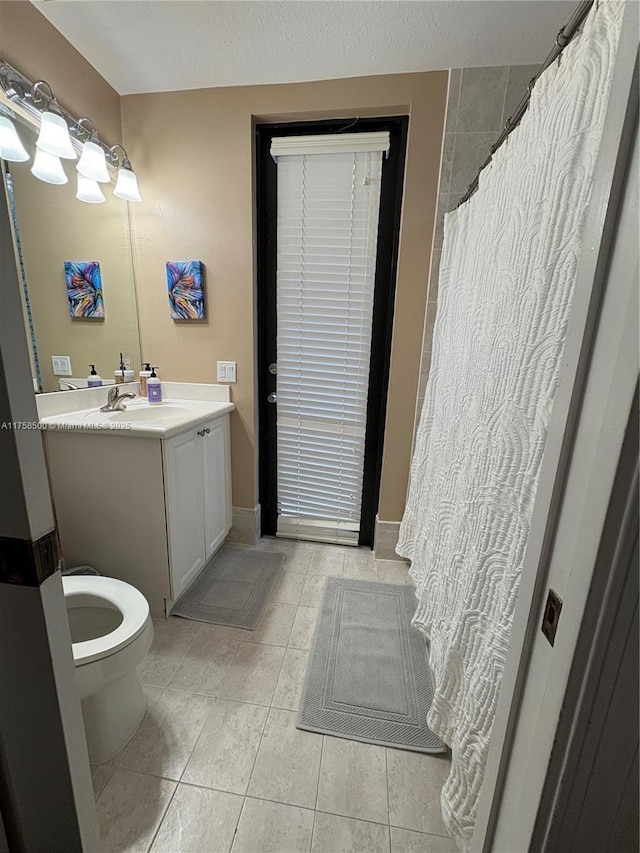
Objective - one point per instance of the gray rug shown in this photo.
(368, 677)
(232, 589)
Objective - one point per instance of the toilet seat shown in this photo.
(123, 597)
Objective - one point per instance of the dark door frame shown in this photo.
(383, 304)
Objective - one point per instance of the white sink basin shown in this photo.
(141, 414)
(139, 419)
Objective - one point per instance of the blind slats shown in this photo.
(327, 227)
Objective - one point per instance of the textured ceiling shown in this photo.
(163, 45)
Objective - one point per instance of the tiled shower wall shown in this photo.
(480, 101)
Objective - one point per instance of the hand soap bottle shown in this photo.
(93, 380)
(154, 388)
(143, 376)
(129, 374)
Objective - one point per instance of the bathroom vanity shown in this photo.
(144, 494)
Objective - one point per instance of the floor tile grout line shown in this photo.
(255, 758)
(419, 831)
(197, 740)
(235, 832)
(275, 684)
(320, 772)
(182, 659)
(237, 824)
(232, 639)
(386, 773)
(361, 819)
(313, 829)
(280, 803)
(164, 814)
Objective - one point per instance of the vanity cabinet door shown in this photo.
(217, 498)
(184, 500)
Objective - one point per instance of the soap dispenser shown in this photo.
(119, 374)
(143, 376)
(129, 374)
(93, 380)
(154, 387)
(124, 372)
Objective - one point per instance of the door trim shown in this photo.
(383, 307)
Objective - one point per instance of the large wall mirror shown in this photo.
(55, 236)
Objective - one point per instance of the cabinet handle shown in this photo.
(207, 430)
(200, 432)
(204, 431)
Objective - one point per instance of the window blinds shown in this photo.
(327, 229)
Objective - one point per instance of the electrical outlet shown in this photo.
(226, 371)
(61, 365)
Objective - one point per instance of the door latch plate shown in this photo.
(551, 616)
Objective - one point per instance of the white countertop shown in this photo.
(141, 419)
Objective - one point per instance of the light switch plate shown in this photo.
(226, 371)
(61, 365)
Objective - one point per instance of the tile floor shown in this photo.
(218, 765)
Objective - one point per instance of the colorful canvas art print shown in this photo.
(185, 283)
(84, 289)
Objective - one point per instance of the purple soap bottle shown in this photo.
(154, 388)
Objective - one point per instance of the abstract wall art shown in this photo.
(185, 284)
(84, 290)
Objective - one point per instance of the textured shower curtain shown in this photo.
(506, 283)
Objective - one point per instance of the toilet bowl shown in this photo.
(111, 632)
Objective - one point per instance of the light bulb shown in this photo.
(92, 163)
(10, 146)
(127, 183)
(89, 190)
(48, 168)
(54, 136)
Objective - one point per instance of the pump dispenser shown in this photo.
(93, 380)
(119, 374)
(154, 387)
(143, 376)
(124, 373)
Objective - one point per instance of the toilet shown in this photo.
(111, 632)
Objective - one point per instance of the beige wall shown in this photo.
(32, 45)
(193, 152)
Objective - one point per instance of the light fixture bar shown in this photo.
(21, 92)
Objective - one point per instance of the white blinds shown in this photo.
(333, 143)
(327, 231)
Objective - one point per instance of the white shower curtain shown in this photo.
(505, 291)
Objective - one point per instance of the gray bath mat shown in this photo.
(232, 589)
(368, 677)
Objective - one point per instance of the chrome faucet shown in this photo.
(115, 400)
(70, 385)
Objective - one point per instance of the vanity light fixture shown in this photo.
(92, 163)
(48, 168)
(127, 183)
(89, 190)
(10, 146)
(61, 135)
(54, 134)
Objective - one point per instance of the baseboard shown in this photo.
(385, 540)
(245, 526)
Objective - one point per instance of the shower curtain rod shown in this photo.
(565, 35)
